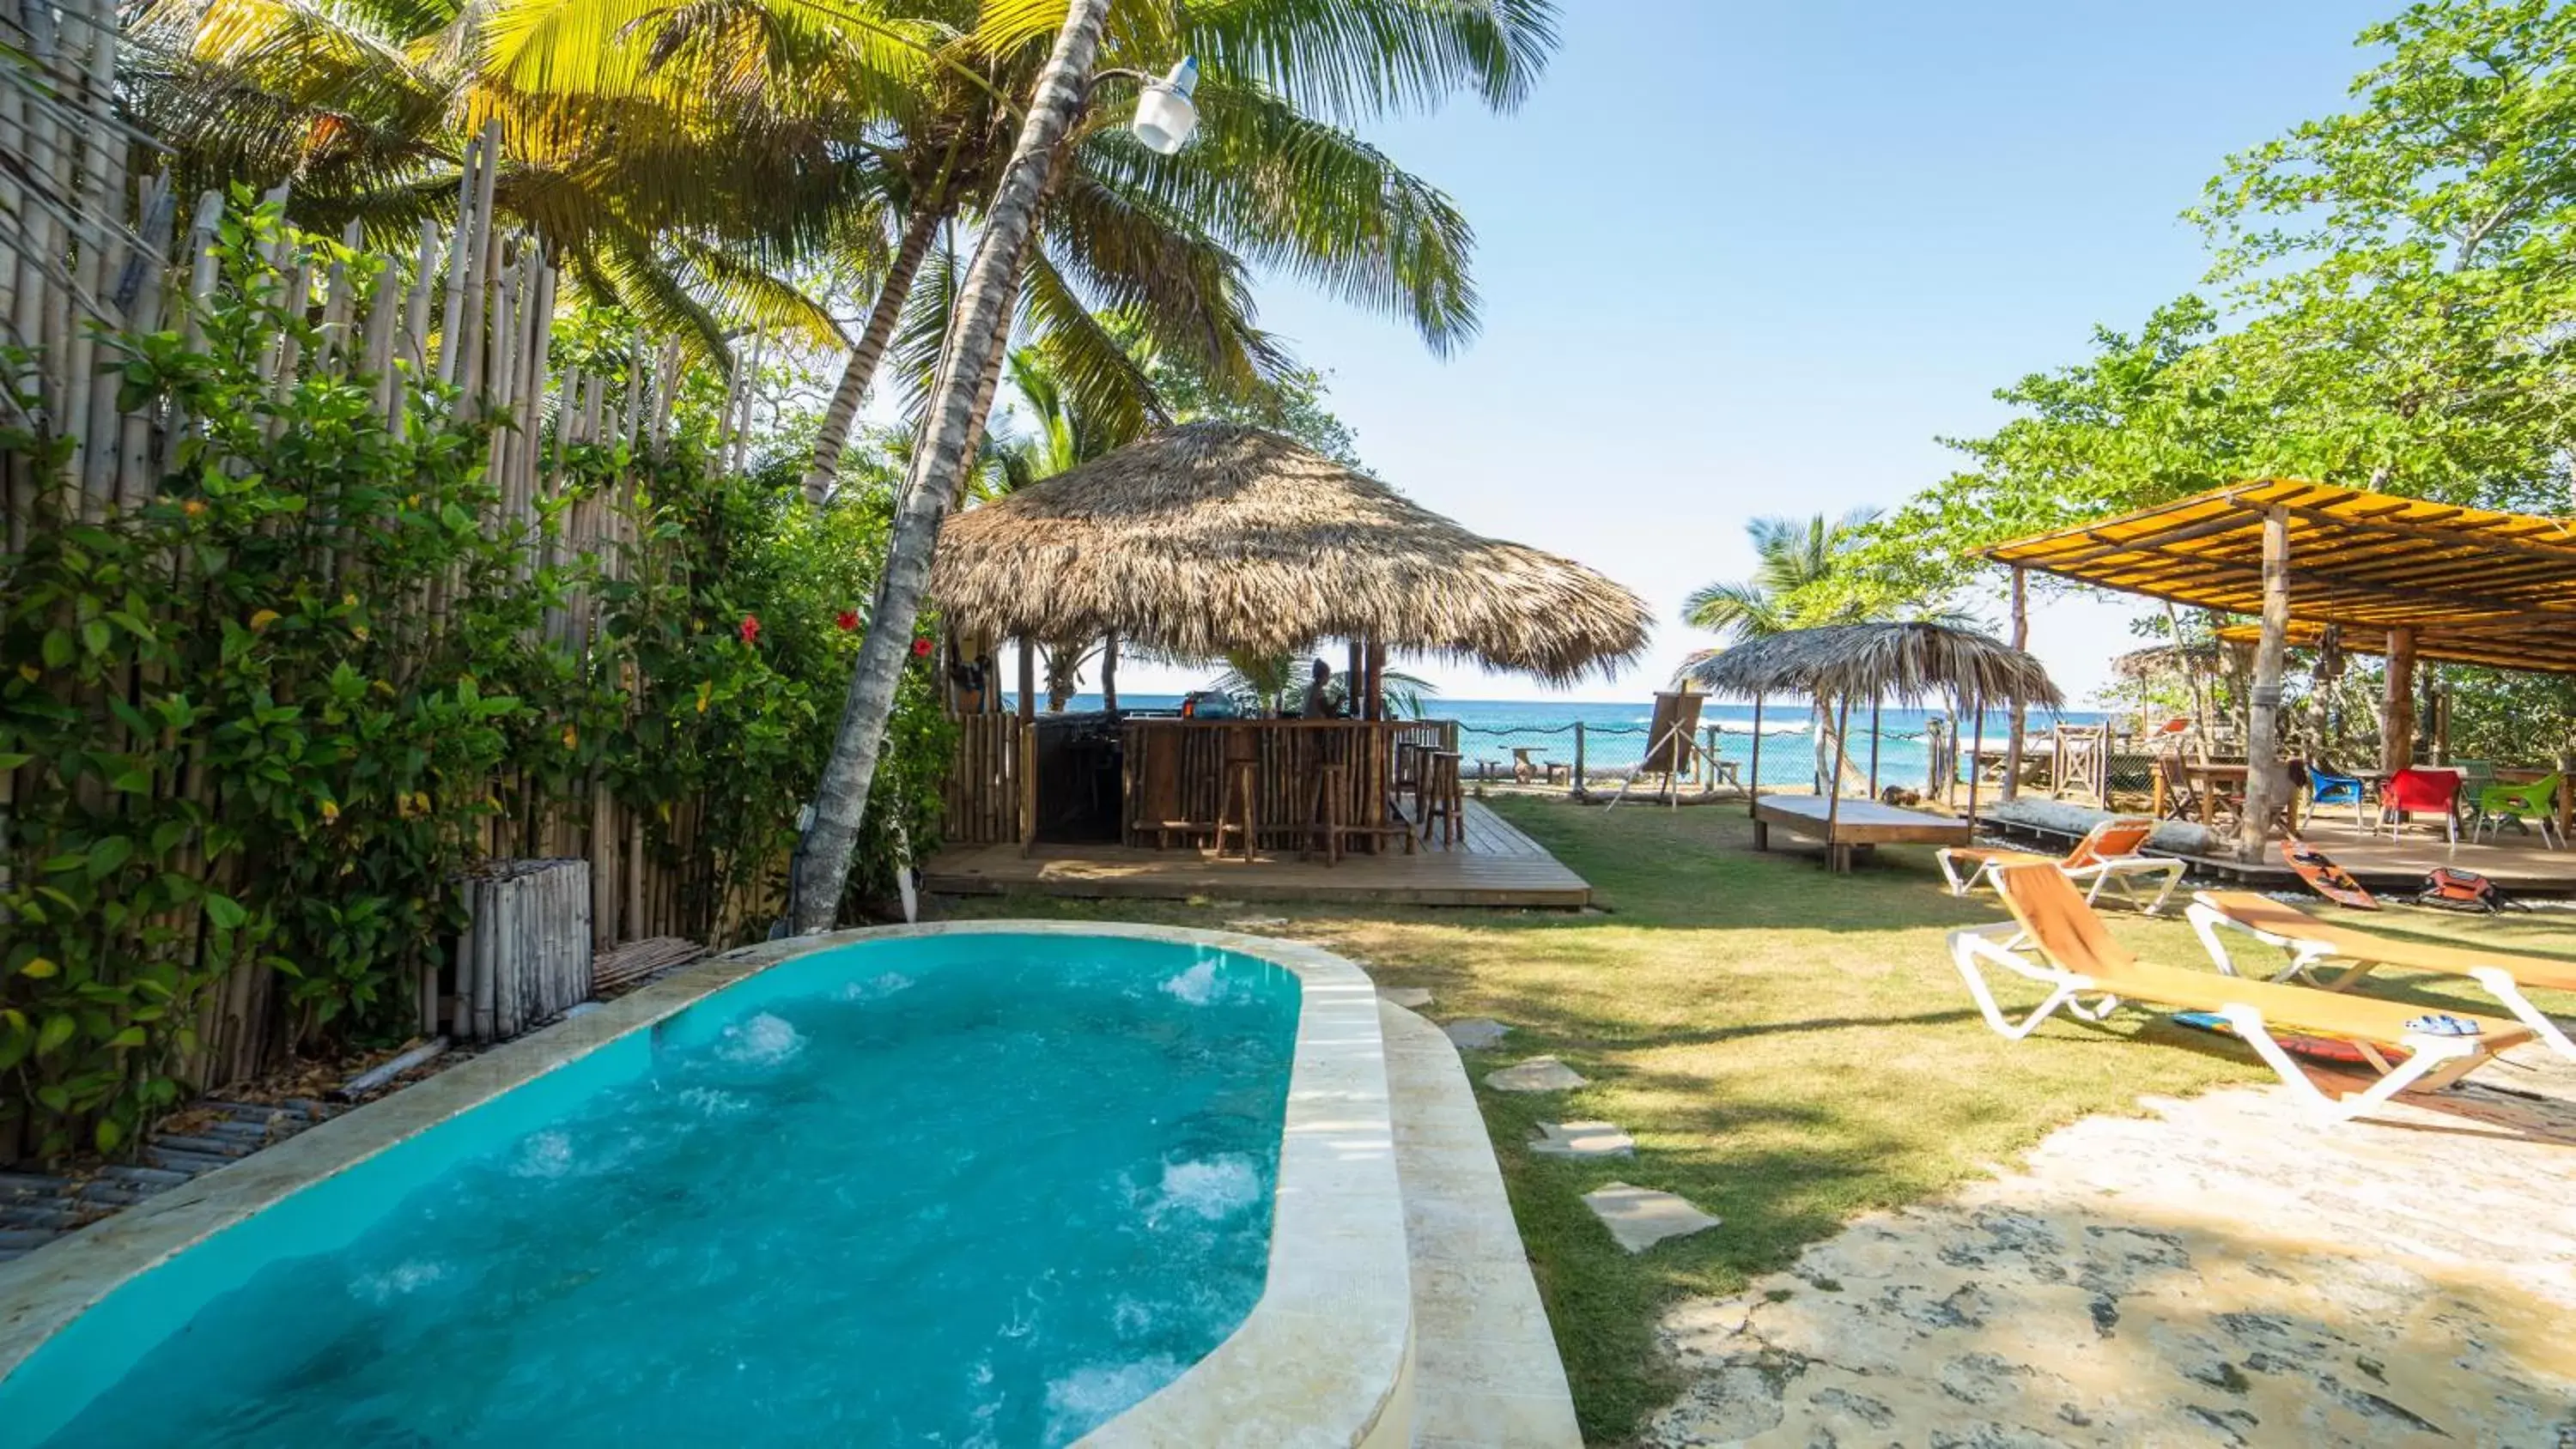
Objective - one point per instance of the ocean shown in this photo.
(1615, 734)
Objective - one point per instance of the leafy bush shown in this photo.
(258, 723)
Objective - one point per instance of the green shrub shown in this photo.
(263, 719)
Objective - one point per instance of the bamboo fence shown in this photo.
(86, 249)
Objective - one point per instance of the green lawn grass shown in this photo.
(1789, 1049)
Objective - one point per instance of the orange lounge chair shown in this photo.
(2312, 942)
(2078, 959)
(2107, 855)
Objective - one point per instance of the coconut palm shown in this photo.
(1059, 434)
(1342, 52)
(1271, 180)
(1794, 569)
(688, 205)
(1802, 579)
(821, 869)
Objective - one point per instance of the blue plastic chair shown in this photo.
(2325, 787)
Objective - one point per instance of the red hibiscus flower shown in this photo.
(750, 629)
(920, 648)
(848, 620)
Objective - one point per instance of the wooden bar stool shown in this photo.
(1239, 798)
(1324, 814)
(1439, 797)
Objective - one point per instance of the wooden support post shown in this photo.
(2266, 784)
(1028, 782)
(1028, 678)
(2441, 721)
(2397, 704)
(2020, 708)
(1873, 746)
(1753, 766)
(1976, 757)
(1351, 679)
(1575, 786)
(1109, 672)
(1837, 855)
(1376, 681)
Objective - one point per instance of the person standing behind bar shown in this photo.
(1317, 706)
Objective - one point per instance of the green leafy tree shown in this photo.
(2388, 295)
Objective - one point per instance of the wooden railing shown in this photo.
(1173, 777)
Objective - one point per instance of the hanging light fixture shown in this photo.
(1165, 115)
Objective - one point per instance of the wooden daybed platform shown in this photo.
(1858, 827)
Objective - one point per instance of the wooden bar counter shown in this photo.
(1175, 775)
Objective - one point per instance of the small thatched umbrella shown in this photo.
(1911, 661)
(1212, 537)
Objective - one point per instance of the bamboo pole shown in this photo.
(452, 313)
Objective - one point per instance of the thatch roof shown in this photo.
(1210, 537)
(2158, 661)
(1904, 662)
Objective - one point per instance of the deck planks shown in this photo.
(1495, 865)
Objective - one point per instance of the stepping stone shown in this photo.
(1582, 1139)
(1538, 1074)
(1411, 998)
(1640, 1217)
(1475, 1033)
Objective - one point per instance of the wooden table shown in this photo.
(1530, 762)
(2206, 777)
(1857, 827)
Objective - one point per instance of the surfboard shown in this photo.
(2315, 1048)
(2325, 877)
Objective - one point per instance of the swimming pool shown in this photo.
(990, 1185)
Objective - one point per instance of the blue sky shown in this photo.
(1741, 260)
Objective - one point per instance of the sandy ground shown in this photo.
(2214, 1272)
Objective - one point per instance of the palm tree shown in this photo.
(1350, 53)
(1062, 435)
(688, 206)
(1802, 579)
(821, 871)
(1793, 576)
(1270, 181)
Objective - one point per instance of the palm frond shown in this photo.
(1353, 59)
(1306, 199)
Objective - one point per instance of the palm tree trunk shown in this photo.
(822, 866)
(861, 370)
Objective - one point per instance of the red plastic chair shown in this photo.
(2417, 789)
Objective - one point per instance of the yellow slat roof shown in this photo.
(2478, 586)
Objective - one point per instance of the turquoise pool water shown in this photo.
(953, 1190)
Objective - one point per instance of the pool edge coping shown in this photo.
(1326, 1341)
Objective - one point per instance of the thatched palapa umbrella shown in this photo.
(1910, 661)
(1212, 537)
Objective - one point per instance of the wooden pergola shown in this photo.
(2404, 577)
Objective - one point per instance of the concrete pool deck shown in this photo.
(1487, 1375)
(1325, 1357)
(2215, 1272)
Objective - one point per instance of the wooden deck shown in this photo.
(1859, 826)
(1496, 865)
(2514, 862)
